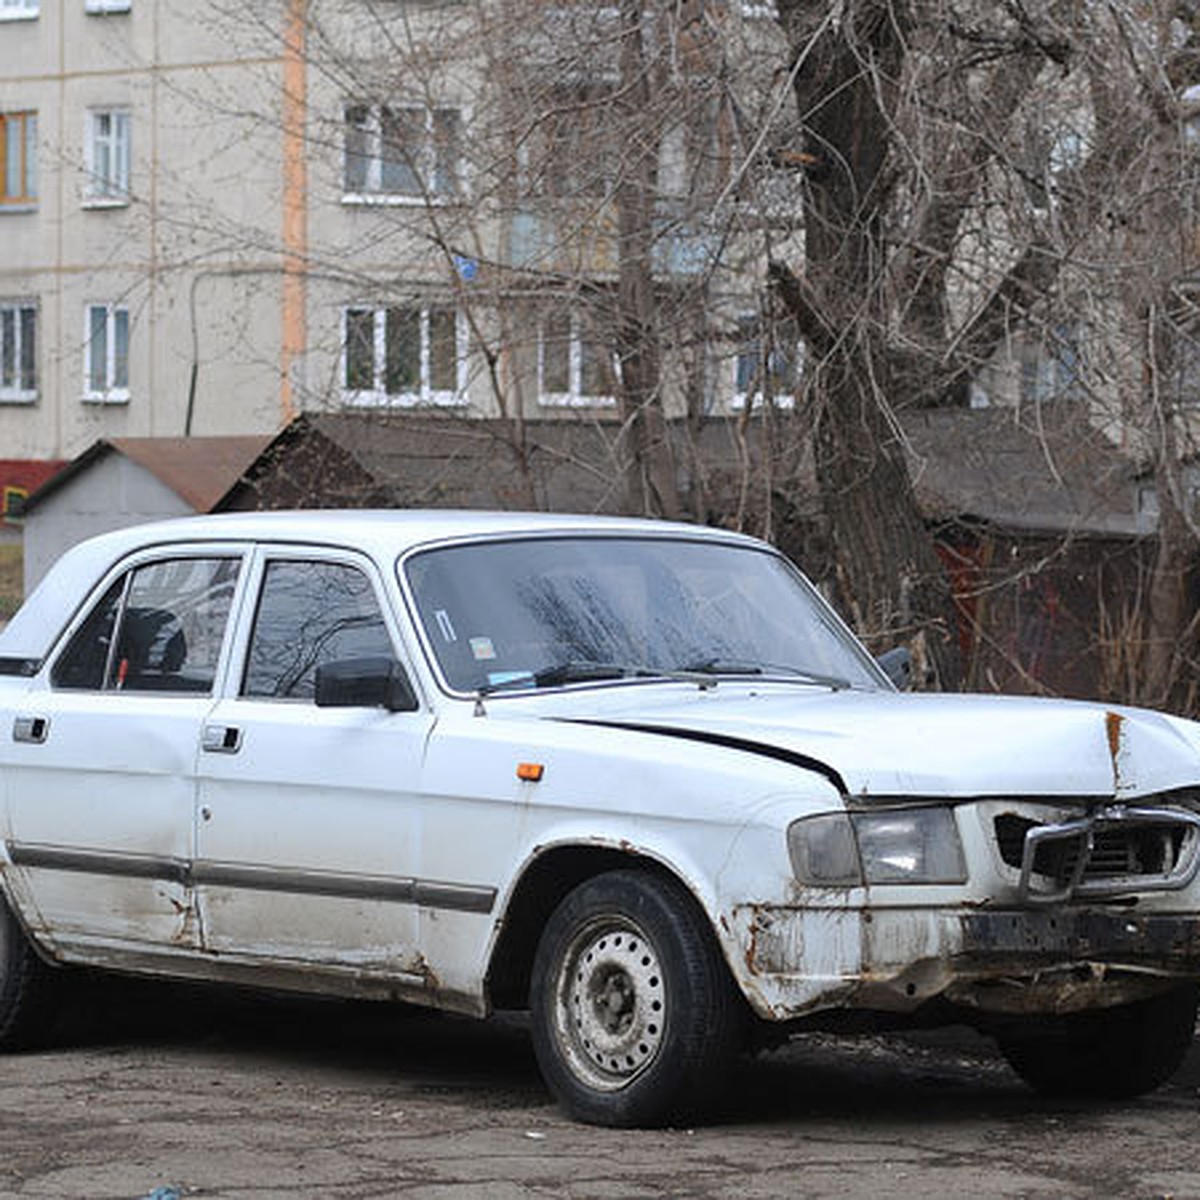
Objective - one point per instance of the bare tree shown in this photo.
(898, 189)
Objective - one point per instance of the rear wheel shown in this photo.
(1112, 1053)
(25, 992)
(634, 1016)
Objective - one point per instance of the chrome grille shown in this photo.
(1114, 849)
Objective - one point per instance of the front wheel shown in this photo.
(1110, 1054)
(634, 1016)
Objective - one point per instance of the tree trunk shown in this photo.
(888, 568)
(650, 483)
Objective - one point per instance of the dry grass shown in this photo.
(11, 580)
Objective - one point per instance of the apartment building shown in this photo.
(125, 295)
(215, 216)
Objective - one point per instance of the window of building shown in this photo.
(571, 150)
(106, 354)
(408, 153)
(18, 351)
(1053, 368)
(108, 156)
(107, 6)
(169, 620)
(1053, 149)
(576, 364)
(768, 365)
(309, 614)
(19, 10)
(405, 355)
(14, 501)
(1178, 348)
(18, 151)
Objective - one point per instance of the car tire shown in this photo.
(1110, 1054)
(26, 1008)
(635, 1019)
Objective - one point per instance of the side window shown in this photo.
(158, 628)
(83, 662)
(310, 613)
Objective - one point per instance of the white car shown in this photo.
(634, 776)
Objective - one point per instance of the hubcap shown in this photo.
(611, 1006)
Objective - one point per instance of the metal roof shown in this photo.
(1036, 469)
(200, 470)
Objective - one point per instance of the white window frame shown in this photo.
(20, 10)
(753, 338)
(14, 393)
(575, 397)
(111, 190)
(111, 393)
(377, 396)
(424, 160)
(1052, 367)
(107, 6)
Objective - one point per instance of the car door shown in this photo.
(99, 763)
(308, 822)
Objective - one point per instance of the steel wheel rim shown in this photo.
(611, 1003)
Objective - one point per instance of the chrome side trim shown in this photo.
(96, 862)
(454, 897)
(255, 878)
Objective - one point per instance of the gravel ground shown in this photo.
(205, 1094)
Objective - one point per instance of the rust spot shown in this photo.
(1113, 723)
(627, 847)
(185, 935)
(421, 967)
(752, 940)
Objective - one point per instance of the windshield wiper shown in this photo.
(722, 666)
(703, 671)
(728, 666)
(572, 671)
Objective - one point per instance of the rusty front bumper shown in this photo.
(798, 962)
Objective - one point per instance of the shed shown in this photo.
(1036, 513)
(124, 481)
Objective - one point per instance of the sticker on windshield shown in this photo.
(442, 617)
(482, 648)
(500, 677)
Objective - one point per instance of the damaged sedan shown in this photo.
(635, 777)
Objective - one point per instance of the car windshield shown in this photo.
(512, 615)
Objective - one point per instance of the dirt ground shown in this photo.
(206, 1095)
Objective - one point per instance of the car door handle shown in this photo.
(30, 729)
(222, 739)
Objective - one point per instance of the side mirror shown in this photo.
(365, 683)
(897, 665)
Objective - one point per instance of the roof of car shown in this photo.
(382, 534)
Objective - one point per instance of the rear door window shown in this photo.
(160, 627)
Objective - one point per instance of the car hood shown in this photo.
(885, 744)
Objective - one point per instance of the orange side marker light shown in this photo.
(530, 772)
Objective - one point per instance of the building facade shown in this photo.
(216, 216)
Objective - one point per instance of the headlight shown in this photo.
(907, 845)
(912, 845)
(824, 851)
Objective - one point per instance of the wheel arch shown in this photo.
(545, 881)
